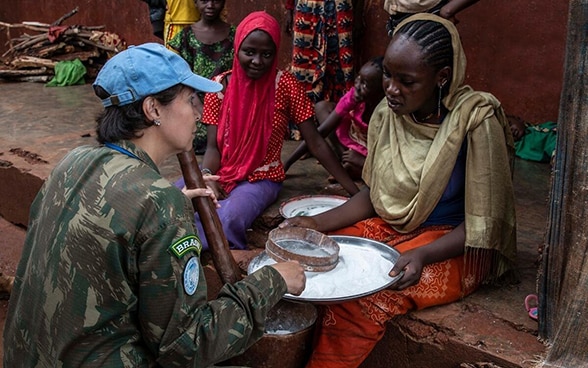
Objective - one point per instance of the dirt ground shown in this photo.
(11, 242)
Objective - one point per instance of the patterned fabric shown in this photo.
(206, 60)
(110, 274)
(110, 40)
(347, 332)
(322, 55)
(292, 104)
(178, 14)
(170, 31)
(352, 131)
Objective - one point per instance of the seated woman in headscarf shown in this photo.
(439, 190)
(247, 122)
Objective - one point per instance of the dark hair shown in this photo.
(118, 123)
(433, 38)
(377, 62)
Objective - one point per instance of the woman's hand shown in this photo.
(204, 192)
(293, 274)
(300, 221)
(218, 190)
(411, 263)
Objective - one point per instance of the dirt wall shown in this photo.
(515, 49)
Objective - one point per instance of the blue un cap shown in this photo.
(144, 70)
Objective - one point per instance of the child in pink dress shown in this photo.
(349, 118)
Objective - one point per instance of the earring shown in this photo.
(440, 98)
(157, 122)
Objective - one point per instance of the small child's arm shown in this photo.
(326, 128)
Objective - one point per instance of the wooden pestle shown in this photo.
(222, 258)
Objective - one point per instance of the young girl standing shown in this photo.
(207, 46)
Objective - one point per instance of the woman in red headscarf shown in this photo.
(247, 122)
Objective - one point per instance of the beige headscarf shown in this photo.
(409, 165)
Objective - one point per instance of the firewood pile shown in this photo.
(33, 54)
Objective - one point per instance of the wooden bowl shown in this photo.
(315, 251)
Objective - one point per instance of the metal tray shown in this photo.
(362, 270)
(310, 205)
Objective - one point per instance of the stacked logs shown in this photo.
(32, 57)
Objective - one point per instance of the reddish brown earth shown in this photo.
(11, 242)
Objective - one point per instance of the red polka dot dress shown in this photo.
(292, 104)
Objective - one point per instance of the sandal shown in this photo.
(531, 299)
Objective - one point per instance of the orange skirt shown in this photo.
(346, 333)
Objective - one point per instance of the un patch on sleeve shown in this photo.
(191, 276)
(186, 244)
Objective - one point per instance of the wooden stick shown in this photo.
(30, 61)
(94, 28)
(37, 24)
(28, 25)
(64, 17)
(97, 45)
(222, 258)
(34, 78)
(31, 41)
(82, 55)
(11, 73)
(48, 50)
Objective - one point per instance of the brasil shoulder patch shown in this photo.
(186, 244)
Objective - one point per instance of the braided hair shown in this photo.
(433, 38)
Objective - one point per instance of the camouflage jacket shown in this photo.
(110, 274)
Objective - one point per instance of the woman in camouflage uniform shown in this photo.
(110, 274)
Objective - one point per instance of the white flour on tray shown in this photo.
(359, 271)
